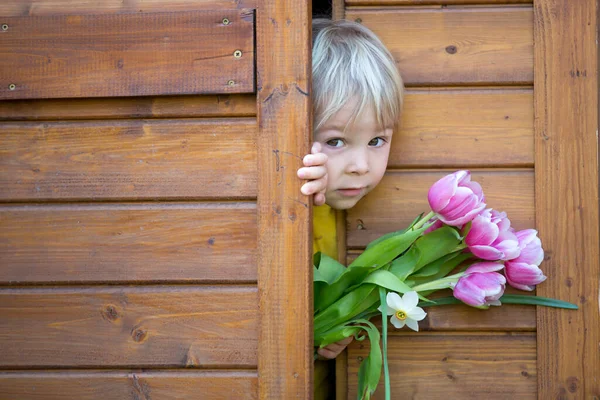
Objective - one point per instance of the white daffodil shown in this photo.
(404, 310)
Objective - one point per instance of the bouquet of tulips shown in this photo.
(460, 245)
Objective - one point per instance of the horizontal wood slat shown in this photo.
(129, 385)
(454, 366)
(468, 128)
(402, 195)
(428, 2)
(128, 243)
(129, 327)
(57, 7)
(456, 46)
(240, 105)
(127, 54)
(132, 159)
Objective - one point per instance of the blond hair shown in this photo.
(349, 60)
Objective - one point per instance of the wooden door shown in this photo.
(153, 240)
(508, 91)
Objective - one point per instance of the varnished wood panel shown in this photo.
(402, 195)
(454, 366)
(285, 364)
(467, 128)
(128, 243)
(59, 7)
(127, 54)
(133, 159)
(566, 185)
(211, 106)
(128, 385)
(429, 2)
(165, 326)
(456, 46)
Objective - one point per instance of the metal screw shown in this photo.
(4, 27)
(231, 83)
(225, 21)
(359, 20)
(12, 86)
(237, 54)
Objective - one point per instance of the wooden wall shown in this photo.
(128, 225)
(468, 70)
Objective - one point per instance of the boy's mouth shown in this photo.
(350, 192)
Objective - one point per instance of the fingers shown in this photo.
(312, 172)
(312, 160)
(319, 199)
(315, 186)
(334, 349)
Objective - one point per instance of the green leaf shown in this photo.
(369, 371)
(537, 300)
(345, 309)
(440, 267)
(384, 323)
(329, 268)
(386, 250)
(391, 234)
(388, 281)
(425, 250)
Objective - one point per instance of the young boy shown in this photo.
(357, 99)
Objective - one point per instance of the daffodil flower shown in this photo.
(404, 310)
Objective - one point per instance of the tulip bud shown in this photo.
(481, 286)
(523, 272)
(455, 199)
(491, 237)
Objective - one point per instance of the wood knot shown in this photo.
(110, 313)
(211, 241)
(572, 384)
(451, 49)
(139, 335)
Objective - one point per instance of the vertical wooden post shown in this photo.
(285, 360)
(566, 191)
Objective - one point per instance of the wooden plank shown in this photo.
(430, 2)
(58, 7)
(405, 192)
(128, 243)
(133, 385)
(455, 366)
(456, 46)
(127, 54)
(285, 364)
(566, 184)
(465, 128)
(132, 159)
(210, 106)
(129, 327)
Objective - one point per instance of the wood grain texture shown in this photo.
(209, 106)
(133, 159)
(127, 54)
(402, 195)
(566, 183)
(456, 46)
(430, 2)
(61, 7)
(128, 385)
(455, 366)
(129, 327)
(466, 128)
(128, 243)
(285, 363)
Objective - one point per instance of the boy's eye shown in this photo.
(335, 142)
(377, 142)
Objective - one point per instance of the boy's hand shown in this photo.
(315, 172)
(334, 349)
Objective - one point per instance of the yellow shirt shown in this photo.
(325, 241)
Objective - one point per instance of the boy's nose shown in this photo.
(359, 163)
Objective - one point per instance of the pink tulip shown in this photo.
(481, 286)
(455, 199)
(491, 237)
(523, 272)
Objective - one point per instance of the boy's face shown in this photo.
(357, 158)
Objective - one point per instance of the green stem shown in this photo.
(423, 220)
(443, 283)
(384, 320)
